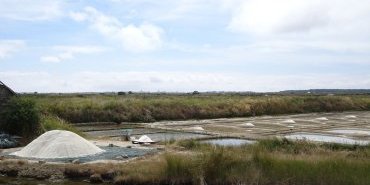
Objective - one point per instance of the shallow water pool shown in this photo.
(326, 139)
(350, 131)
(228, 142)
(168, 136)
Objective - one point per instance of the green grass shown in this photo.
(148, 108)
(268, 162)
(50, 122)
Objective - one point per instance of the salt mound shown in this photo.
(58, 144)
(247, 125)
(195, 128)
(322, 119)
(289, 121)
(142, 140)
(145, 139)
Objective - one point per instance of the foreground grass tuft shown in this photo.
(276, 161)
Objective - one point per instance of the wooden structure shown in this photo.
(5, 93)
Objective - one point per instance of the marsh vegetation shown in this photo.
(276, 161)
(149, 108)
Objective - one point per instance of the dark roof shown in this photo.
(6, 87)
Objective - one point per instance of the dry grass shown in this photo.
(148, 108)
(269, 162)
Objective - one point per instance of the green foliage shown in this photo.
(49, 122)
(20, 117)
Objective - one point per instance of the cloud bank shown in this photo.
(134, 38)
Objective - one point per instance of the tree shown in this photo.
(196, 92)
(20, 117)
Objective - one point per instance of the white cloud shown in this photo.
(144, 37)
(333, 25)
(169, 81)
(78, 16)
(8, 47)
(267, 16)
(271, 16)
(26, 10)
(69, 52)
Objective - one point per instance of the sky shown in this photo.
(184, 45)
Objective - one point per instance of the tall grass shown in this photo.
(50, 122)
(268, 162)
(148, 108)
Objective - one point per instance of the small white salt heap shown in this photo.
(58, 144)
(197, 128)
(145, 139)
(322, 119)
(289, 121)
(247, 125)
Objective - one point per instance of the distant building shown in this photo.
(5, 93)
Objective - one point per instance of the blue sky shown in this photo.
(184, 45)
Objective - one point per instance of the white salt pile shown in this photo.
(322, 119)
(58, 144)
(142, 140)
(247, 125)
(145, 139)
(289, 121)
(195, 128)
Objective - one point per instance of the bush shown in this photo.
(20, 117)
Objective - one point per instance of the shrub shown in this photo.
(21, 117)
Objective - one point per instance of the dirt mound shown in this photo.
(58, 144)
